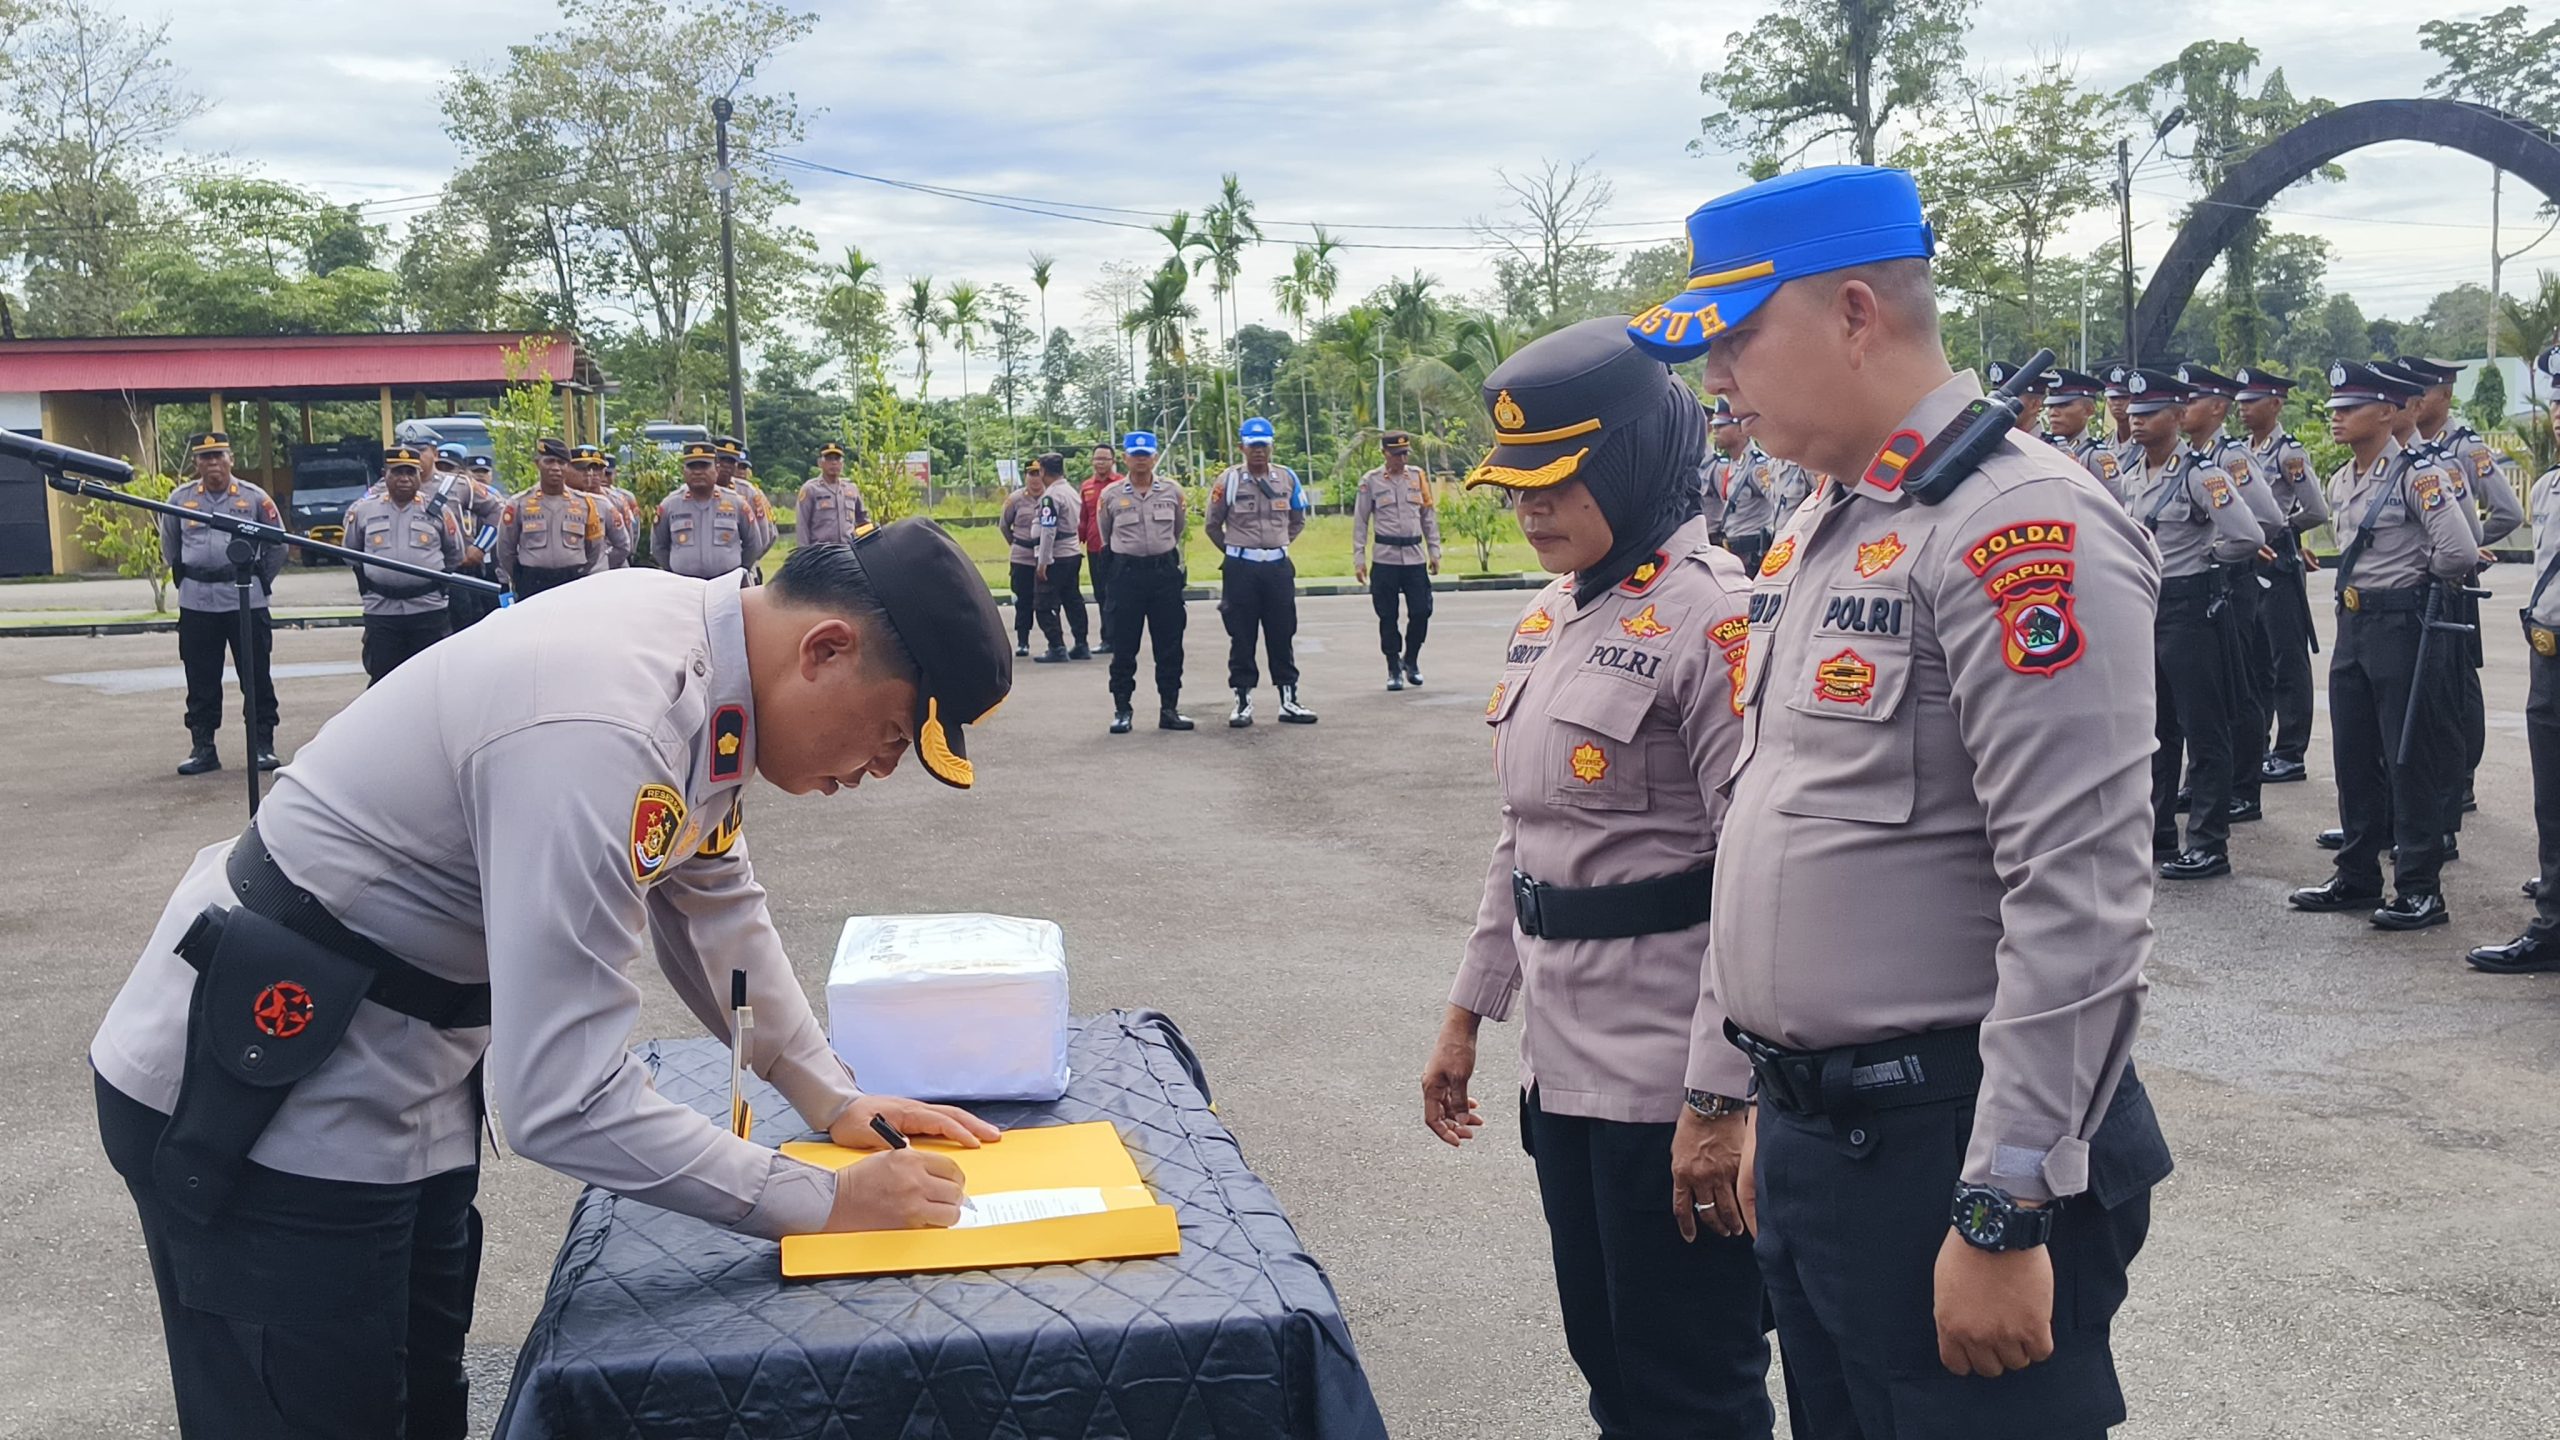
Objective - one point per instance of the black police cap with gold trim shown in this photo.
(831, 450)
(586, 455)
(700, 450)
(399, 456)
(551, 447)
(2430, 373)
(1554, 400)
(946, 617)
(208, 442)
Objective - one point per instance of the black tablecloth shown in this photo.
(660, 1325)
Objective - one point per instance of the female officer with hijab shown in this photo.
(1615, 721)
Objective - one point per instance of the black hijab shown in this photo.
(1644, 478)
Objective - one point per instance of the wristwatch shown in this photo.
(1989, 1219)
(1708, 1105)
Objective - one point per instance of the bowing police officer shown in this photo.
(1935, 822)
(1614, 725)
(2538, 948)
(1395, 501)
(703, 530)
(551, 534)
(2393, 721)
(199, 555)
(403, 614)
(1256, 510)
(831, 509)
(1141, 524)
(452, 882)
(2203, 529)
(2285, 467)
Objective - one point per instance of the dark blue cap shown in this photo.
(1743, 246)
(2149, 390)
(2353, 383)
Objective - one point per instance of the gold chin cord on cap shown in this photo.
(1554, 472)
(936, 750)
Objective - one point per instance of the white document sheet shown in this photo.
(1013, 1207)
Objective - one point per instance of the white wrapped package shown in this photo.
(951, 1007)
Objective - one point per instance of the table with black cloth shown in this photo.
(659, 1325)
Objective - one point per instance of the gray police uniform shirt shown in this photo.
(2418, 526)
(619, 532)
(475, 506)
(1789, 483)
(703, 535)
(419, 533)
(1614, 725)
(1750, 508)
(1138, 522)
(2240, 463)
(1397, 506)
(1941, 807)
(831, 512)
(1059, 520)
(2093, 455)
(206, 550)
(1715, 474)
(533, 805)
(2546, 545)
(2194, 513)
(1250, 512)
(2287, 469)
(758, 532)
(2483, 481)
(551, 532)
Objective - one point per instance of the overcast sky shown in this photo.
(1374, 118)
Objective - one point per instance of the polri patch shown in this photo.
(1642, 625)
(2038, 633)
(1845, 679)
(1589, 763)
(728, 743)
(1877, 556)
(2032, 572)
(2218, 490)
(1536, 622)
(2431, 494)
(657, 813)
(1778, 557)
(2009, 540)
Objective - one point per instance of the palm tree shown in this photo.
(1158, 319)
(2525, 326)
(1231, 228)
(960, 320)
(847, 309)
(1295, 291)
(1327, 277)
(1411, 316)
(1177, 232)
(1481, 342)
(1042, 267)
(923, 316)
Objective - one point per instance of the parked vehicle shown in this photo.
(457, 436)
(326, 480)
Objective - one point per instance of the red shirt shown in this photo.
(1090, 528)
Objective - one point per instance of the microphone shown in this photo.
(61, 461)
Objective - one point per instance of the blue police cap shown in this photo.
(1743, 246)
(1139, 442)
(1258, 431)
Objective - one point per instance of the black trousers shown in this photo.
(465, 608)
(1259, 597)
(1670, 1335)
(312, 1309)
(1026, 600)
(2286, 619)
(1063, 591)
(204, 637)
(2382, 803)
(2472, 711)
(2542, 742)
(1146, 598)
(1852, 1213)
(390, 639)
(2252, 658)
(1098, 565)
(1413, 583)
(2194, 716)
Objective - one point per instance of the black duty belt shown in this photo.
(1386, 539)
(1170, 559)
(2362, 600)
(2190, 587)
(397, 985)
(1883, 1075)
(1612, 912)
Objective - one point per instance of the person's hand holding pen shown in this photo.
(908, 1189)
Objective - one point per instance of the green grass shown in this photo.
(1322, 553)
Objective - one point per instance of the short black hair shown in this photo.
(828, 577)
(1053, 463)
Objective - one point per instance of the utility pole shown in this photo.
(2124, 209)
(726, 182)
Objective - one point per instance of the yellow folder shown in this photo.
(1090, 1156)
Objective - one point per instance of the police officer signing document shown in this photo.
(452, 879)
(1614, 725)
(1933, 892)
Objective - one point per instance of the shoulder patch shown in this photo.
(2217, 488)
(2430, 490)
(728, 743)
(2016, 539)
(1645, 574)
(657, 813)
(2039, 635)
(1885, 471)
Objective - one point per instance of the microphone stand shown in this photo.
(94, 477)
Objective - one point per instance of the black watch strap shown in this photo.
(1991, 1219)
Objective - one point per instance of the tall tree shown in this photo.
(1412, 316)
(1816, 70)
(92, 99)
(854, 316)
(2505, 61)
(1545, 251)
(922, 314)
(604, 129)
(961, 317)
(1326, 276)
(2210, 80)
(1042, 268)
(2012, 166)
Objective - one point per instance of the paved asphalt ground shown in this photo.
(2357, 1241)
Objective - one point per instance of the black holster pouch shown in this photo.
(269, 1007)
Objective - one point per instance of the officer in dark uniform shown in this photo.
(2250, 658)
(199, 555)
(2538, 948)
(2291, 641)
(2489, 502)
(2402, 536)
(1141, 522)
(1932, 906)
(446, 890)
